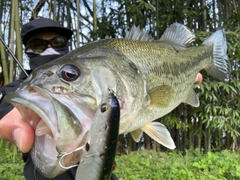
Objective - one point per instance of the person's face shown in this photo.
(39, 42)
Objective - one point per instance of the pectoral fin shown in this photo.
(136, 135)
(159, 133)
(192, 99)
(161, 96)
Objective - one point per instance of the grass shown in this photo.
(147, 165)
(11, 163)
(192, 165)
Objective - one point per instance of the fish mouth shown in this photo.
(44, 150)
(57, 127)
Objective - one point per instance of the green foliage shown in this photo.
(151, 165)
(11, 163)
(193, 165)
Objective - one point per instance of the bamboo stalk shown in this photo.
(11, 44)
(18, 36)
(4, 62)
(94, 19)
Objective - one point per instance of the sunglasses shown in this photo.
(39, 45)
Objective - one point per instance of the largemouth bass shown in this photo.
(150, 79)
(98, 155)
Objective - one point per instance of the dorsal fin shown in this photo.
(178, 34)
(136, 33)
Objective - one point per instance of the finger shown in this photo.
(198, 78)
(14, 129)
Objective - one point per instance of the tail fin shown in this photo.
(220, 69)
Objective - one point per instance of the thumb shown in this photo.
(199, 78)
(13, 128)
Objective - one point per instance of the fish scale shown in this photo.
(149, 77)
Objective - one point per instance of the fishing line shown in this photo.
(11, 53)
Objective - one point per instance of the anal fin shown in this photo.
(136, 135)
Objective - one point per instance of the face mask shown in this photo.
(48, 55)
(49, 51)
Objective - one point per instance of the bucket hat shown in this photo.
(42, 24)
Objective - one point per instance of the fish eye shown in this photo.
(70, 72)
(104, 107)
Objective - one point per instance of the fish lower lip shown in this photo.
(44, 148)
(47, 146)
(44, 139)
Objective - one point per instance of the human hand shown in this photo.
(13, 128)
(198, 78)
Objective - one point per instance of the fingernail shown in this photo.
(17, 138)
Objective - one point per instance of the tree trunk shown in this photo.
(147, 141)
(158, 147)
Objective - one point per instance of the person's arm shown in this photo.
(5, 107)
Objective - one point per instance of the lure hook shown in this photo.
(64, 154)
